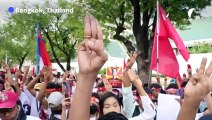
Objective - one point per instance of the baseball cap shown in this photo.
(38, 86)
(8, 99)
(55, 99)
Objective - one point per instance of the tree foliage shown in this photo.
(62, 31)
(139, 16)
(201, 48)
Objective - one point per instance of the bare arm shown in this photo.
(31, 85)
(9, 75)
(88, 68)
(25, 75)
(66, 103)
(196, 89)
(208, 100)
(17, 74)
(41, 96)
(149, 110)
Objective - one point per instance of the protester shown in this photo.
(94, 106)
(10, 107)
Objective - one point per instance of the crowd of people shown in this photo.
(84, 96)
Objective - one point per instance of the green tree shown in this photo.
(140, 17)
(200, 48)
(63, 31)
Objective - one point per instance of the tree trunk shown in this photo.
(68, 66)
(142, 39)
(53, 51)
(125, 41)
(21, 60)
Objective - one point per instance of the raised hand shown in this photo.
(108, 86)
(91, 55)
(131, 60)
(66, 102)
(133, 77)
(5, 66)
(47, 72)
(200, 84)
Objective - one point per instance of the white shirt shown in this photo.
(149, 109)
(34, 110)
(32, 118)
(25, 101)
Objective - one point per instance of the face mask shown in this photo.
(56, 111)
(93, 109)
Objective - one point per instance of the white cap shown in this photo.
(55, 99)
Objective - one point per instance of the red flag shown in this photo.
(167, 61)
(42, 51)
(172, 33)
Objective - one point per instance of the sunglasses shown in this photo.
(3, 111)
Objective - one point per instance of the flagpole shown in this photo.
(37, 50)
(158, 31)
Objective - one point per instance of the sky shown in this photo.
(5, 4)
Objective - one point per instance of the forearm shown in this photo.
(209, 104)
(188, 110)
(138, 85)
(82, 97)
(16, 84)
(63, 115)
(9, 77)
(25, 76)
(125, 80)
(32, 84)
(42, 91)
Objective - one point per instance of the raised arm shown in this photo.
(9, 75)
(41, 96)
(149, 109)
(31, 85)
(128, 106)
(17, 75)
(91, 57)
(196, 89)
(25, 81)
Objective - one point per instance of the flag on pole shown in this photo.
(164, 59)
(42, 57)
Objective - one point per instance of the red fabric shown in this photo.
(42, 50)
(101, 89)
(168, 64)
(172, 33)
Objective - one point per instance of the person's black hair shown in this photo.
(96, 95)
(50, 85)
(183, 84)
(172, 85)
(155, 85)
(133, 88)
(145, 85)
(113, 116)
(57, 86)
(148, 90)
(103, 99)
